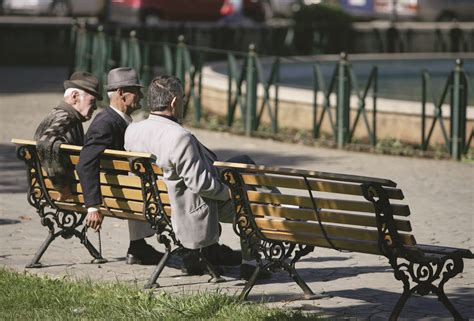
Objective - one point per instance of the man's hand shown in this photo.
(64, 193)
(94, 220)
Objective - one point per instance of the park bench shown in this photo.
(343, 212)
(132, 189)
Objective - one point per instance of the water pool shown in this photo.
(397, 78)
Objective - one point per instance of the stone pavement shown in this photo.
(361, 287)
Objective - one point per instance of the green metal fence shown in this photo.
(344, 83)
(97, 52)
(456, 87)
(252, 73)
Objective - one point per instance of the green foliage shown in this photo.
(322, 29)
(27, 297)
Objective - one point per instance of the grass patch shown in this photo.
(26, 297)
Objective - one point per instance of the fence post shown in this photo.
(343, 96)
(180, 71)
(72, 46)
(458, 112)
(82, 51)
(251, 91)
(134, 53)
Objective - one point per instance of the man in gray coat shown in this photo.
(199, 199)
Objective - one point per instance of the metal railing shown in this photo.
(457, 87)
(344, 83)
(98, 52)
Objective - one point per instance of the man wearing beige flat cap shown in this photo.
(107, 132)
(63, 125)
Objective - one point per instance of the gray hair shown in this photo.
(162, 90)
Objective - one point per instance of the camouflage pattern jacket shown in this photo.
(63, 125)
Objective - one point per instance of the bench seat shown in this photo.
(285, 213)
(132, 188)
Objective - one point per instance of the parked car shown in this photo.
(55, 7)
(281, 8)
(133, 12)
(286, 8)
(422, 10)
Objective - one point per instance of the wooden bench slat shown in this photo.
(106, 178)
(301, 172)
(127, 205)
(444, 250)
(295, 227)
(106, 190)
(312, 239)
(347, 218)
(76, 149)
(121, 180)
(112, 212)
(122, 165)
(316, 185)
(334, 204)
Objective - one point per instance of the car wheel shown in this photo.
(60, 8)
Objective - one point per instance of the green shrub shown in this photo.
(322, 28)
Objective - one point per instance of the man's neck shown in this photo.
(119, 107)
(165, 115)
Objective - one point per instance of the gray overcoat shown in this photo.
(194, 186)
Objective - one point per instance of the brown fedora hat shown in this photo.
(122, 77)
(85, 81)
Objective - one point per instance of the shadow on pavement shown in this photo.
(4, 221)
(269, 158)
(377, 300)
(12, 171)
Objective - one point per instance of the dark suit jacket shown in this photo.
(105, 132)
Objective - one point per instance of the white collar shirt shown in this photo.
(125, 117)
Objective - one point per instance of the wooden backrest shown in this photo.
(283, 209)
(121, 188)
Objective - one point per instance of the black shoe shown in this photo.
(246, 271)
(220, 254)
(143, 254)
(193, 265)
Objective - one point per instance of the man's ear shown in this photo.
(173, 103)
(75, 95)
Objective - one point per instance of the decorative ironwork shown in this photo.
(153, 208)
(417, 271)
(275, 253)
(155, 214)
(59, 222)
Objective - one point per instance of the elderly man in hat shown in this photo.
(107, 132)
(63, 125)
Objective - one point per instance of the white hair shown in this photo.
(69, 91)
(111, 93)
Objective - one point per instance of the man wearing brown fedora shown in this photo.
(107, 132)
(63, 125)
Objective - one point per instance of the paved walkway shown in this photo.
(440, 195)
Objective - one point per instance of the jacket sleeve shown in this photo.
(194, 168)
(48, 142)
(98, 139)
